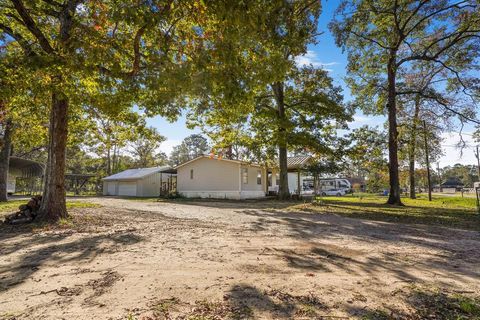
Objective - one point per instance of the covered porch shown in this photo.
(168, 182)
(298, 181)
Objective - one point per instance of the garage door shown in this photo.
(127, 189)
(111, 188)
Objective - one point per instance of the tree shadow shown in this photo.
(274, 303)
(465, 218)
(451, 255)
(80, 250)
(423, 304)
(262, 203)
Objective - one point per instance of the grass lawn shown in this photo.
(12, 206)
(448, 211)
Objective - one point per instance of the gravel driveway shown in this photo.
(249, 259)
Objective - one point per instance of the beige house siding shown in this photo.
(213, 178)
(252, 179)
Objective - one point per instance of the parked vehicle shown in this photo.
(335, 183)
(334, 192)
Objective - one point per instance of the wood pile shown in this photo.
(27, 212)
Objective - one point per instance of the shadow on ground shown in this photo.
(57, 250)
(464, 218)
(455, 251)
(244, 301)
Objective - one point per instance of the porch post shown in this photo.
(298, 181)
(240, 180)
(274, 178)
(266, 180)
(161, 184)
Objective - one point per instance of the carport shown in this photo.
(27, 173)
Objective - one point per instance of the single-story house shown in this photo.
(22, 168)
(143, 182)
(214, 177)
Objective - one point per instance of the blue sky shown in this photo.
(327, 55)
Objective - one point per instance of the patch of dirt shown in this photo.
(68, 292)
(217, 260)
(100, 286)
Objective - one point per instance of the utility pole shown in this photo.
(428, 161)
(478, 162)
(439, 177)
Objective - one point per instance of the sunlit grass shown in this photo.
(12, 206)
(449, 211)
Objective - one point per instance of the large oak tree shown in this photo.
(384, 37)
(113, 54)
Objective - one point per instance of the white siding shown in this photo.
(150, 185)
(111, 188)
(127, 188)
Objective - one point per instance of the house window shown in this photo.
(259, 177)
(191, 173)
(277, 179)
(245, 175)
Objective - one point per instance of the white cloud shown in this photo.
(358, 118)
(168, 145)
(311, 58)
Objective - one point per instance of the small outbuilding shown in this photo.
(213, 177)
(143, 182)
(29, 171)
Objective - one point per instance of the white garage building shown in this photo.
(143, 182)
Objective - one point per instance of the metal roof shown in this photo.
(134, 174)
(29, 168)
(218, 159)
(297, 162)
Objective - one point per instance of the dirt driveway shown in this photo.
(215, 260)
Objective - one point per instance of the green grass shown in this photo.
(12, 206)
(456, 212)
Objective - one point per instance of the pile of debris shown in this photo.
(27, 212)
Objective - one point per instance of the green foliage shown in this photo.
(412, 33)
(191, 147)
(385, 40)
(145, 148)
(313, 113)
(104, 58)
(468, 174)
(366, 157)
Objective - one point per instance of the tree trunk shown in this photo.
(427, 160)
(5, 159)
(114, 158)
(394, 195)
(283, 192)
(411, 149)
(53, 205)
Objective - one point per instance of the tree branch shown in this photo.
(27, 49)
(32, 27)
